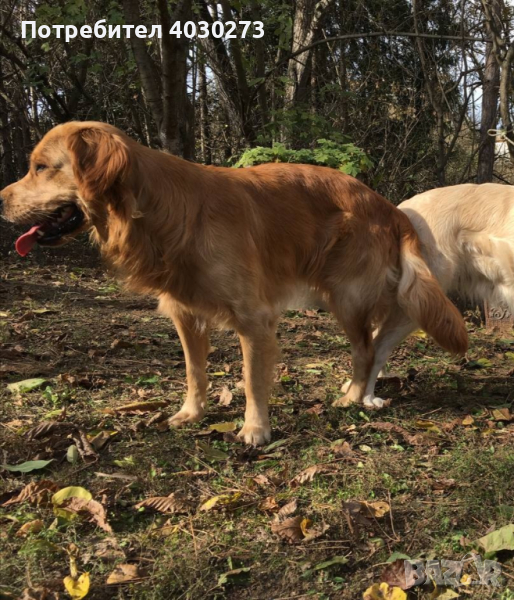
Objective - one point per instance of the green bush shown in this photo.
(345, 157)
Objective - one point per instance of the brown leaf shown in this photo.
(171, 504)
(225, 396)
(289, 530)
(317, 409)
(269, 504)
(90, 508)
(502, 414)
(288, 509)
(344, 450)
(101, 440)
(394, 575)
(140, 408)
(262, 480)
(311, 533)
(30, 527)
(375, 509)
(443, 484)
(47, 428)
(126, 573)
(413, 440)
(38, 493)
(307, 475)
(84, 446)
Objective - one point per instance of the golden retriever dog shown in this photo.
(467, 240)
(232, 248)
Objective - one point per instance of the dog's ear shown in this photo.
(100, 159)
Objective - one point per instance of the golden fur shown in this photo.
(233, 247)
(467, 239)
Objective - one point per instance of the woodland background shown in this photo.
(416, 84)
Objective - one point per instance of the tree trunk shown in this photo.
(306, 21)
(7, 170)
(175, 131)
(205, 134)
(491, 88)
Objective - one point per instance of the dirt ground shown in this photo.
(425, 477)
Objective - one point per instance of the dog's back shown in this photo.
(467, 235)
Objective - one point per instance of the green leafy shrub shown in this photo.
(346, 157)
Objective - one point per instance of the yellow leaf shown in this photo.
(77, 588)
(376, 509)
(428, 425)
(468, 420)
(221, 500)
(30, 527)
(419, 334)
(222, 427)
(382, 591)
(304, 525)
(71, 492)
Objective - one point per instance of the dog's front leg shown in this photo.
(194, 336)
(259, 353)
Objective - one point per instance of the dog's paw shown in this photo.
(375, 403)
(344, 402)
(254, 435)
(184, 416)
(346, 386)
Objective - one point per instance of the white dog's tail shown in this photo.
(421, 297)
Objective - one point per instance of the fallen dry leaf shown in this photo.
(344, 449)
(501, 414)
(126, 573)
(288, 509)
(101, 440)
(38, 493)
(140, 408)
(382, 591)
(221, 501)
(84, 447)
(171, 504)
(362, 513)
(395, 576)
(47, 428)
(225, 396)
(296, 529)
(88, 508)
(413, 440)
(468, 420)
(77, 588)
(269, 504)
(308, 474)
(30, 527)
(376, 509)
(289, 529)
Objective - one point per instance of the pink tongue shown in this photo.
(27, 241)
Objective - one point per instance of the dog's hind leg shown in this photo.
(355, 320)
(259, 345)
(194, 336)
(394, 330)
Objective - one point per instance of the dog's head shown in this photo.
(77, 174)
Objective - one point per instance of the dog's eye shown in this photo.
(40, 168)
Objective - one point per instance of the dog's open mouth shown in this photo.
(65, 220)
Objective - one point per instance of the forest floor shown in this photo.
(425, 477)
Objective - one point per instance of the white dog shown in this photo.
(467, 236)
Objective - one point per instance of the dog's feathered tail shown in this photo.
(421, 297)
